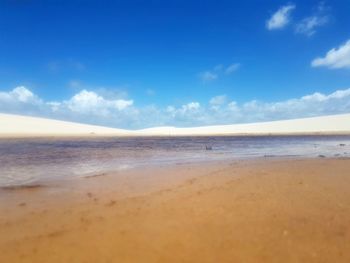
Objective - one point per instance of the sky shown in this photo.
(139, 64)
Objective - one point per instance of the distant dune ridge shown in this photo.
(23, 126)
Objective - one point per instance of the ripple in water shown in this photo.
(24, 161)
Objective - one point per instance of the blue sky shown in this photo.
(136, 64)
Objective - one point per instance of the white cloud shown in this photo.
(55, 106)
(19, 94)
(217, 71)
(339, 94)
(85, 106)
(92, 107)
(335, 58)
(309, 25)
(20, 100)
(22, 94)
(218, 100)
(222, 111)
(170, 109)
(208, 76)
(88, 101)
(192, 106)
(315, 97)
(232, 68)
(181, 116)
(280, 18)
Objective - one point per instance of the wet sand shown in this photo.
(243, 211)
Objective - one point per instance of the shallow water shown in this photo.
(25, 161)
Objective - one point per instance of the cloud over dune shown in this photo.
(86, 101)
(90, 107)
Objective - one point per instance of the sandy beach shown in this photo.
(240, 211)
(175, 131)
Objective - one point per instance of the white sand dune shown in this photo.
(333, 124)
(23, 126)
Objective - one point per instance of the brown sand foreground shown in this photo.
(247, 211)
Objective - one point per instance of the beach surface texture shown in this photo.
(239, 211)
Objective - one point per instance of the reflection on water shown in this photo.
(27, 160)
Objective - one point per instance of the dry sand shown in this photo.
(23, 126)
(333, 124)
(246, 211)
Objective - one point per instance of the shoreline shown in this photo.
(62, 182)
(94, 136)
(247, 211)
(224, 161)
